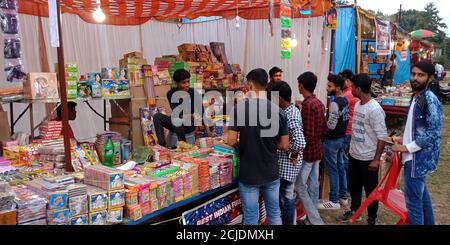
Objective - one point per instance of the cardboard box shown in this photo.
(115, 216)
(135, 105)
(161, 91)
(98, 218)
(41, 86)
(79, 220)
(138, 92)
(8, 217)
(116, 199)
(164, 103)
(134, 54)
(187, 47)
(136, 134)
(117, 125)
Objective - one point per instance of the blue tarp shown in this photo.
(403, 67)
(344, 41)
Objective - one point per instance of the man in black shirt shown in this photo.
(185, 114)
(334, 144)
(262, 128)
(275, 74)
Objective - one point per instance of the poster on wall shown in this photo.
(331, 19)
(383, 36)
(225, 209)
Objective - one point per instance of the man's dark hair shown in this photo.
(426, 67)
(71, 105)
(274, 70)
(309, 81)
(283, 89)
(180, 75)
(258, 76)
(347, 74)
(362, 81)
(338, 81)
(393, 56)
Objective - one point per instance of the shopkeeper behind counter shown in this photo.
(72, 115)
(176, 97)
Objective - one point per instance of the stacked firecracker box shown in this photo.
(71, 73)
(127, 111)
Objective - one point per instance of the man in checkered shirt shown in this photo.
(290, 161)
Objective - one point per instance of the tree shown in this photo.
(409, 19)
(431, 20)
(379, 14)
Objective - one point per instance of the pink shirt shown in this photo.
(351, 105)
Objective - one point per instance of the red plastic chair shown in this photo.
(387, 193)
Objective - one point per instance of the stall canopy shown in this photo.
(135, 12)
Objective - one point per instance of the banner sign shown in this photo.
(225, 209)
(383, 36)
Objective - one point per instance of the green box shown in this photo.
(286, 54)
(72, 93)
(286, 22)
(71, 83)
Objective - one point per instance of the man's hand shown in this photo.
(294, 158)
(399, 148)
(373, 166)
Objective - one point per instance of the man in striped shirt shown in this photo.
(290, 161)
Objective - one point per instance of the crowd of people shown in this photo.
(348, 135)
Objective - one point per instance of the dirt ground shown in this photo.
(438, 186)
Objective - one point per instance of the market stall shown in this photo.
(105, 187)
(376, 41)
(421, 50)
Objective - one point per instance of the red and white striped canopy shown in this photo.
(135, 12)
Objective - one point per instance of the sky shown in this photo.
(392, 6)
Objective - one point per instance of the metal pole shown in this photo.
(63, 91)
(104, 114)
(332, 51)
(31, 121)
(11, 116)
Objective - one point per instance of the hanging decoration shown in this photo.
(270, 17)
(12, 43)
(286, 24)
(308, 42)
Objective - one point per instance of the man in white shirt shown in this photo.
(421, 144)
(366, 146)
(439, 69)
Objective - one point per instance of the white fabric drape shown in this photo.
(95, 46)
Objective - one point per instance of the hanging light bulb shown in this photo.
(98, 14)
(294, 41)
(237, 18)
(407, 43)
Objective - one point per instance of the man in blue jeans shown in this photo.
(314, 127)
(421, 144)
(262, 128)
(291, 160)
(334, 143)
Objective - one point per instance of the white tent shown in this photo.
(93, 46)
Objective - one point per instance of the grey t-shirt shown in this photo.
(368, 127)
(258, 160)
